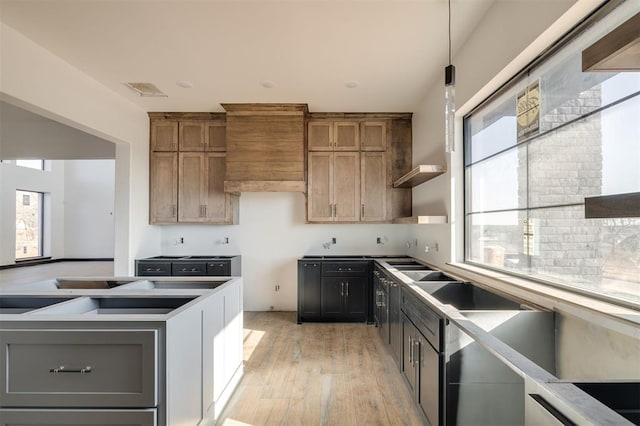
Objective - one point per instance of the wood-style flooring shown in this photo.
(317, 374)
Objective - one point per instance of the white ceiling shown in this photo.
(395, 49)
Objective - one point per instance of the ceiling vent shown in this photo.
(146, 89)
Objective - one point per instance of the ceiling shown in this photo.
(394, 49)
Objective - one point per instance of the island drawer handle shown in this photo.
(62, 369)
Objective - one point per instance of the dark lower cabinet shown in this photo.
(334, 291)
(422, 360)
(309, 306)
(189, 266)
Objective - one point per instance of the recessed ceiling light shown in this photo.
(184, 84)
(352, 84)
(269, 84)
(146, 89)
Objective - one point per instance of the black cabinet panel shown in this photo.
(334, 290)
(333, 297)
(309, 306)
(188, 266)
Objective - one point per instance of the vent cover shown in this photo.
(146, 89)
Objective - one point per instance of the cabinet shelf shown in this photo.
(421, 220)
(418, 175)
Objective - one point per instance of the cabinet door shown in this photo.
(217, 203)
(215, 136)
(320, 187)
(309, 291)
(373, 136)
(356, 297)
(331, 297)
(164, 135)
(346, 136)
(191, 187)
(219, 268)
(408, 339)
(163, 193)
(346, 177)
(373, 187)
(320, 135)
(429, 380)
(192, 135)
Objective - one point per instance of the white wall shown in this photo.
(36, 80)
(88, 208)
(51, 182)
(271, 236)
(506, 33)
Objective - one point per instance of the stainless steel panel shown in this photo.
(73, 368)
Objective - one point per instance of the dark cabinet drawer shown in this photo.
(219, 268)
(345, 268)
(144, 268)
(425, 320)
(189, 268)
(76, 368)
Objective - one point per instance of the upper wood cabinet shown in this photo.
(355, 184)
(329, 135)
(202, 135)
(373, 136)
(201, 189)
(163, 188)
(373, 187)
(187, 184)
(164, 135)
(333, 187)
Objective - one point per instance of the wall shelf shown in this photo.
(418, 175)
(421, 220)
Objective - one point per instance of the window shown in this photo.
(29, 215)
(526, 177)
(32, 164)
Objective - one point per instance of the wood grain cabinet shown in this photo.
(164, 135)
(163, 188)
(187, 170)
(202, 135)
(328, 135)
(334, 187)
(201, 189)
(373, 136)
(373, 186)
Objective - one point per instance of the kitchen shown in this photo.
(268, 262)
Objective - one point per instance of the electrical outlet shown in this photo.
(277, 287)
(181, 240)
(333, 240)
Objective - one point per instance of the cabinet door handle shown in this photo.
(204, 211)
(347, 289)
(62, 369)
(334, 210)
(174, 210)
(341, 289)
(411, 350)
(417, 345)
(362, 211)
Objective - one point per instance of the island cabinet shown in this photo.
(122, 357)
(334, 291)
(187, 170)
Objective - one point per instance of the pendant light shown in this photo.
(449, 98)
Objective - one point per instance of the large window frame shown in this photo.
(512, 83)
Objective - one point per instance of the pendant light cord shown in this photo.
(449, 32)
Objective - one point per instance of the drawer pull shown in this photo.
(61, 369)
(344, 269)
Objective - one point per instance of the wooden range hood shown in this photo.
(619, 50)
(265, 147)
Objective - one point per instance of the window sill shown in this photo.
(617, 318)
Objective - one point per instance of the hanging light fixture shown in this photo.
(449, 98)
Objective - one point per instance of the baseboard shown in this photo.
(44, 261)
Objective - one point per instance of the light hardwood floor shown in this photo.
(35, 273)
(317, 374)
